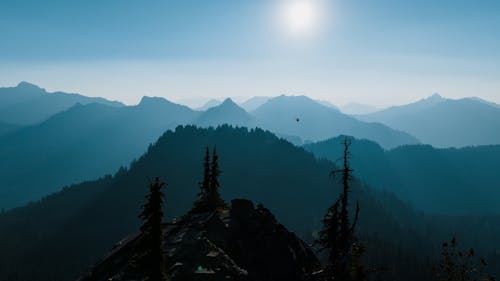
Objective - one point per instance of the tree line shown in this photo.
(337, 237)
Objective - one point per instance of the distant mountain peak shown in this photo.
(228, 112)
(153, 100)
(30, 86)
(435, 96)
(229, 101)
(430, 100)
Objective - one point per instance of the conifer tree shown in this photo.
(201, 204)
(209, 199)
(338, 236)
(205, 185)
(150, 261)
(214, 199)
(345, 227)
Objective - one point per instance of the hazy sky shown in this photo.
(377, 52)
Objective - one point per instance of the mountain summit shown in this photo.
(226, 246)
(29, 87)
(228, 112)
(28, 104)
(229, 103)
(444, 122)
(146, 101)
(311, 121)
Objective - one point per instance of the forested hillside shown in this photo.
(81, 143)
(447, 181)
(92, 137)
(73, 228)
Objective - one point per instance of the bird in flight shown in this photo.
(297, 119)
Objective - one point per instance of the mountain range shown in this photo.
(448, 181)
(86, 141)
(228, 112)
(90, 222)
(74, 227)
(80, 143)
(28, 104)
(311, 121)
(248, 105)
(443, 122)
(90, 139)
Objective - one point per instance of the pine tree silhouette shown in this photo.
(215, 201)
(209, 199)
(338, 235)
(205, 185)
(149, 262)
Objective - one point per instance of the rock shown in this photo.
(244, 243)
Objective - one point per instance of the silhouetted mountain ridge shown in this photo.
(319, 122)
(228, 112)
(444, 122)
(255, 165)
(85, 141)
(450, 181)
(28, 104)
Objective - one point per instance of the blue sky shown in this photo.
(377, 52)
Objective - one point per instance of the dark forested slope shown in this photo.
(449, 181)
(59, 237)
(81, 143)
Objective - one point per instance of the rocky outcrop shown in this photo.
(243, 243)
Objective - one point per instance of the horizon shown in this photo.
(173, 140)
(391, 53)
(196, 103)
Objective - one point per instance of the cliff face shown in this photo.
(244, 243)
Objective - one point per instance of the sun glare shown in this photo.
(300, 16)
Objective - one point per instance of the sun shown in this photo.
(300, 16)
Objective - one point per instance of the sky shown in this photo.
(382, 52)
